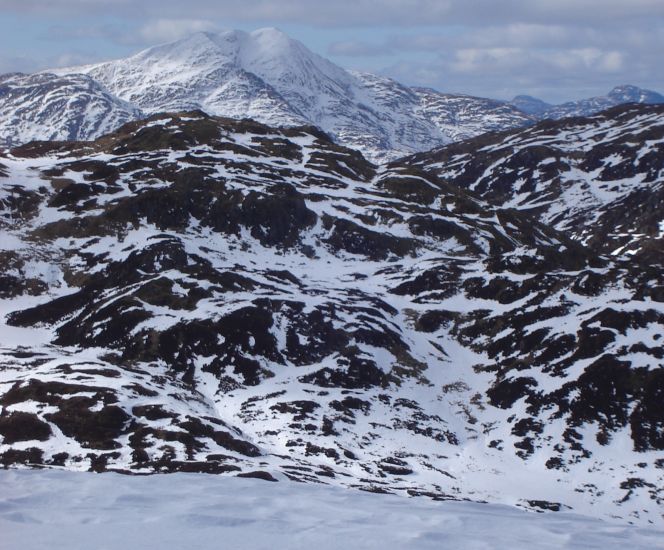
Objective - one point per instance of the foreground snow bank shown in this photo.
(57, 509)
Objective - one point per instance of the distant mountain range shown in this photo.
(266, 76)
(620, 95)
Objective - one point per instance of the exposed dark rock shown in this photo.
(355, 239)
(22, 426)
(265, 476)
(359, 373)
(96, 429)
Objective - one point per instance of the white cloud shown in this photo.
(474, 59)
(613, 62)
(165, 30)
(352, 48)
(554, 75)
(28, 64)
(71, 59)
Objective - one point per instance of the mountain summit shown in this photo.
(264, 73)
(634, 94)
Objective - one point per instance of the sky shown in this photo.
(555, 50)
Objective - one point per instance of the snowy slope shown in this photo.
(49, 107)
(461, 117)
(193, 511)
(208, 71)
(207, 295)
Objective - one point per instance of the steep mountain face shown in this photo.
(50, 107)
(461, 117)
(598, 179)
(194, 293)
(620, 95)
(269, 77)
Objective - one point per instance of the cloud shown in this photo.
(352, 48)
(531, 36)
(149, 33)
(473, 60)
(165, 30)
(505, 60)
(559, 62)
(554, 75)
(72, 59)
(348, 13)
(29, 64)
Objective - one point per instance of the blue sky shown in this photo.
(558, 51)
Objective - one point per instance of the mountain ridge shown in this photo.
(582, 188)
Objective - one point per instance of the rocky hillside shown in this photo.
(598, 179)
(461, 117)
(201, 294)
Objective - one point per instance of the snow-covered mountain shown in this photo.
(267, 76)
(50, 107)
(258, 75)
(202, 294)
